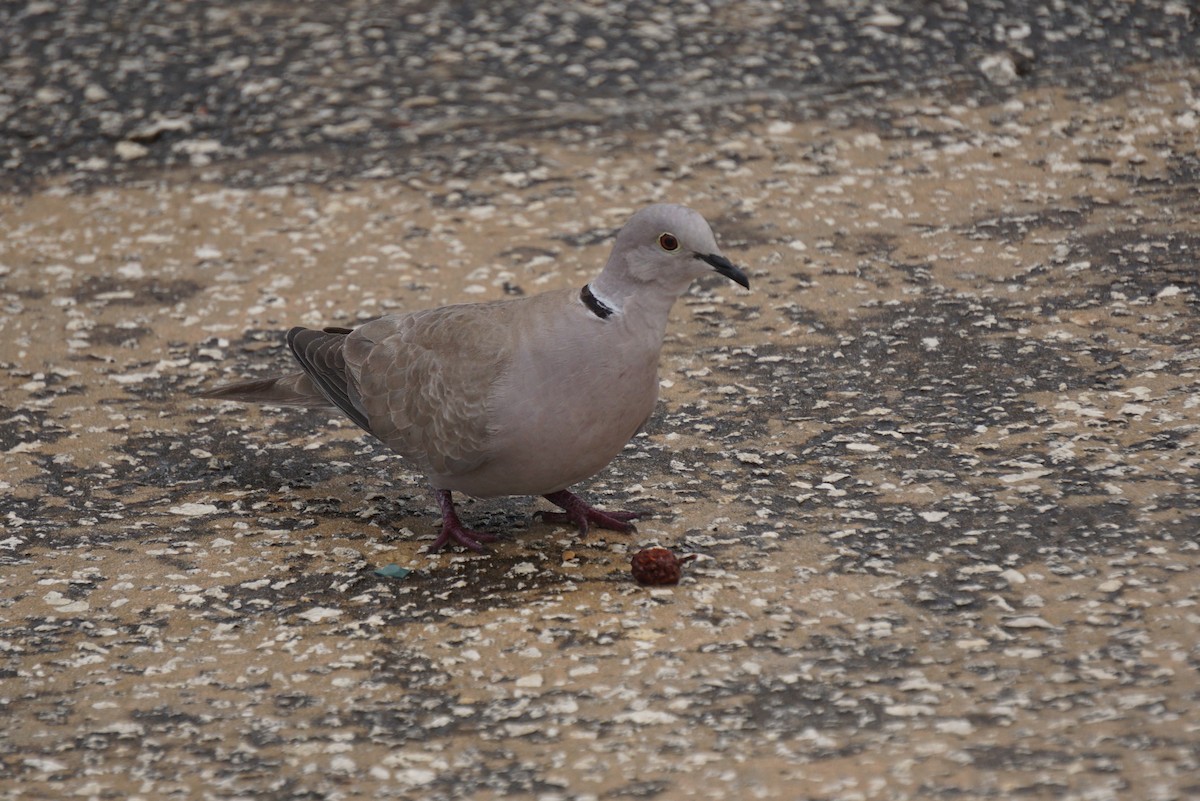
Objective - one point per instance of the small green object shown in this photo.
(392, 571)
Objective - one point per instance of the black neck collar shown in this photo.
(593, 303)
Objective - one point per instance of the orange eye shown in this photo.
(668, 242)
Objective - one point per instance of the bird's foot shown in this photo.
(461, 535)
(576, 511)
(453, 531)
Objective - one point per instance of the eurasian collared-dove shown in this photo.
(513, 397)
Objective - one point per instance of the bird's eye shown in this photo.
(668, 242)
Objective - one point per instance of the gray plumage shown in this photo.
(515, 397)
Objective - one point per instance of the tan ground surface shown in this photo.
(940, 465)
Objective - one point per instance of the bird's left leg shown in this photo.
(576, 511)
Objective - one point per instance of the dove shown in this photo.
(525, 396)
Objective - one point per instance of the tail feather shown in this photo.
(289, 390)
(322, 355)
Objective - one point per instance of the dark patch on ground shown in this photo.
(1012, 228)
(788, 704)
(426, 595)
(348, 84)
(24, 426)
(1129, 264)
(121, 336)
(151, 292)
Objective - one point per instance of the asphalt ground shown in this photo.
(939, 465)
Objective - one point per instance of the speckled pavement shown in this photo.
(940, 465)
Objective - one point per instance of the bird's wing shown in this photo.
(424, 381)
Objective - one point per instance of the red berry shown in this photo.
(657, 566)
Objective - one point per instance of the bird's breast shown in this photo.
(563, 413)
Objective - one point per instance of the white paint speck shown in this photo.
(319, 614)
(193, 509)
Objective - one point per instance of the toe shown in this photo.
(472, 540)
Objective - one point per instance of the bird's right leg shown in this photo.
(454, 531)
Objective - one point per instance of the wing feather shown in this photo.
(425, 380)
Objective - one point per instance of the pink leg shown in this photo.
(577, 512)
(454, 531)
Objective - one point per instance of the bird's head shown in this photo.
(669, 246)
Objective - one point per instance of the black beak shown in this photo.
(725, 267)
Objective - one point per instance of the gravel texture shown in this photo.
(104, 91)
(940, 466)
